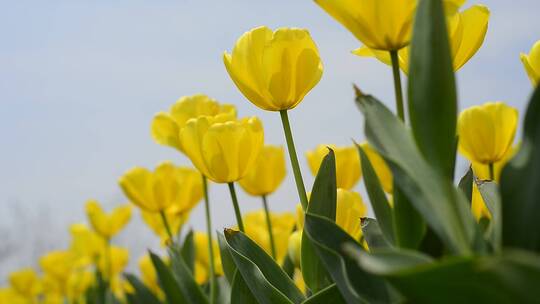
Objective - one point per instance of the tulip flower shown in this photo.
(202, 258)
(379, 24)
(486, 133)
(381, 168)
(294, 247)
(174, 219)
(282, 225)
(166, 126)
(275, 71)
(78, 283)
(348, 170)
(267, 173)
(107, 225)
(531, 62)
(149, 275)
(114, 261)
(25, 283)
(86, 243)
(58, 265)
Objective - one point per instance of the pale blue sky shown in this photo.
(81, 80)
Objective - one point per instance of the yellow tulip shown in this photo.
(379, 24)
(467, 31)
(175, 221)
(58, 265)
(299, 280)
(107, 225)
(77, 285)
(25, 282)
(381, 168)
(149, 275)
(531, 62)
(168, 186)
(10, 296)
(486, 132)
(202, 257)
(114, 260)
(282, 227)
(348, 169)
(267, 173)
(274, 70)
(85, 243)
(223, 151)
(350, 209)
(294, 247)
(166, 126)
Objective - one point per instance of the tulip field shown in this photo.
(435, 237)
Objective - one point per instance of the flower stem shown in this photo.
(167, 227)
(397, 84)
(236, 207)
(491, 172)
(294, 159)
(213, 282)
(269, 225)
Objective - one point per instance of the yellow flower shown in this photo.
(348, 169)
(486, 132)
(113, 261)
(10, 296)
(274, 70)
(175, 220)
(25, 282)
(77, 285)
(58, 265)
(168, 186)
(267, 173)
(531, 62)
(294, 247)
(149, 275)
(350, 209)
(466, 29)
(85, 243)
(107, 225)
(282, 227)
(202, 257)
(381, 168)
(223, 151)
(379, 24)
(299, 280)
(166, 126)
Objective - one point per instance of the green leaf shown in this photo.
(377, 197)
(266, 280)
(188, 250)
(322, 202)
(327, 295)
(168, 283)
(409, 226)
(466, 184)
(223, 290)
(490, 194)
(288, 266)
(520, 184)
(229, 268)
(443, 207)
(373, 235)
(184, 277)
(355, 285)
(142, 295)
(387, 260)
(240, 292)
(432, 88)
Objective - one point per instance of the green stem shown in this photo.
(397, 84)
(210, 243)
(236, 207)
(491, 171)
(167, 227)
(108, 262)
(269, 225)
(294, 159)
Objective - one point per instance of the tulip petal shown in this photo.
(474, 22)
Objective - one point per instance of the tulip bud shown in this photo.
(267, 173)
(295, 244)
(107, 225)
(531, 62)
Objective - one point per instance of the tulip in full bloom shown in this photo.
(381, 168)
(267, 173)
(107, 225)
(274, 70)
(378, 24)
(202, 258)
(168, 186)
(166, 126)
(282, 227)
(486, 132)
(348, 169)
(466, 33)
(531, 62)
(223, 151)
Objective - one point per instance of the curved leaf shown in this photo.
(229, 268)
(240, 292)
(190, 289)
(327, 295)
(168, 283)
(142, 294)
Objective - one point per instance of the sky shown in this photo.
(81, 80)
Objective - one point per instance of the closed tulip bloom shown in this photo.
(294, 247)
(107, 225)
(202, 257)
(166, 126)
(175, 221)
(381, 168)
(223, 151)
(25, 282)
(274, 70)
(282, 227)
(486, 132)
(531, 62)
(466, 29)
(348, 169)
(267, 173)
(379, 24)
(168, 186)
